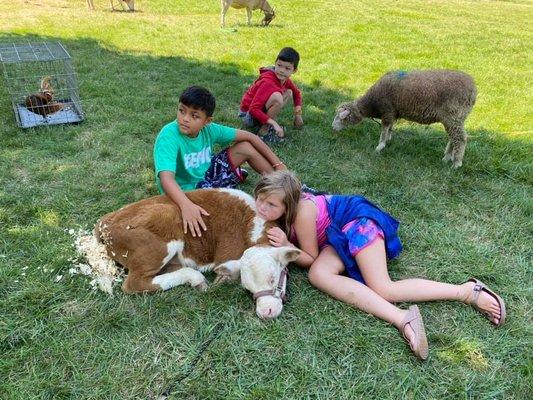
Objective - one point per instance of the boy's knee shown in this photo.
(275, 98)
(240, 146)
(241, 149)
(287, 96)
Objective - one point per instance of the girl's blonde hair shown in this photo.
(289, 187)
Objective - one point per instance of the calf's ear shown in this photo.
(287, 254)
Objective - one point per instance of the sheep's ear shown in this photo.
(344, 113)
(287, 254)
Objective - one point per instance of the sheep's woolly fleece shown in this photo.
(96, 263)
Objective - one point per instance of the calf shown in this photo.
(147, 238)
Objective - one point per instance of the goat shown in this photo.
(249, 5)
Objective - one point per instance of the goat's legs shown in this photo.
(224, 6)
(249, 15)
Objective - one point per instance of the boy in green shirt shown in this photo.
(184, 161)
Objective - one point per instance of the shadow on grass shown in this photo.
(129, 97)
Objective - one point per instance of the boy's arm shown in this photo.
(262, 148)
(191, 213)
(297, 99)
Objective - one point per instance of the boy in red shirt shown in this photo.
(264, 99)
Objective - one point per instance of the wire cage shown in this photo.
(42, 83)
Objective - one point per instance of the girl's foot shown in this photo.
(412, 328)
(485, 301)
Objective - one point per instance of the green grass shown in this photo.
(62, 340)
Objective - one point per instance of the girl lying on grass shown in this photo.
(345, 243)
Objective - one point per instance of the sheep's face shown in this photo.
(346, 113)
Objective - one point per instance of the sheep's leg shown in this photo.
(459, 149)
(249, 15)
(385, 135)
(458, 143)
(389, 134)
(448, 151)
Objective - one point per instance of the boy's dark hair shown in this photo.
(199, 98)
(288, 54)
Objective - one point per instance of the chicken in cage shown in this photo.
(41, 82)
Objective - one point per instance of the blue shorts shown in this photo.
(222, 173)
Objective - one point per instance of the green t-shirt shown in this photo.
(189, 158)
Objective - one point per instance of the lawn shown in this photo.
(62, 340)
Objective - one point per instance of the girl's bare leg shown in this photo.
(325, 274)
(373, 265)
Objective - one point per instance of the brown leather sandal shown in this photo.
(480, 287)
(420, 342)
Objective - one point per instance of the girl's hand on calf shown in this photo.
(277, 237)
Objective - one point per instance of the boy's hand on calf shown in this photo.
(191, 215)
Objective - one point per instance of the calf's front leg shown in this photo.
(228, 271)
(180, 277)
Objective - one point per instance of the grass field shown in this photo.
(61, 340)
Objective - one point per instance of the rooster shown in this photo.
(43, 103)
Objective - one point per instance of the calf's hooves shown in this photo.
(202, 286)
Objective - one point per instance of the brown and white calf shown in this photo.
(147, 238)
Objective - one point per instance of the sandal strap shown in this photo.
(476, 290)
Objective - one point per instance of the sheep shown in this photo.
(425, 97)
(249, 5)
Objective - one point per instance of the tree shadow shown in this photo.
(128, 97)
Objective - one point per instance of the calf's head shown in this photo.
(346, 113)
(262, 270)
